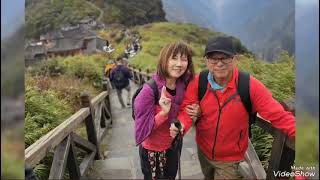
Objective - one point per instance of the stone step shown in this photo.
(113, 168)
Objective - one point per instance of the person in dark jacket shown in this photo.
(158, 157)
(222, 131)
(120, 77)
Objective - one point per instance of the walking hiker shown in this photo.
(225, 97)
(120, 77)
(156, 106)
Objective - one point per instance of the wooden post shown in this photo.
(108, 108)
(140, 77)
(148, 77)
(60, 159)
(73, 166)
(105, 83)
(136, 78)
(287, 159)
(103, 115)
(289, 105)
(288, 154)
(276, 154)
(133, 74)
(89, 121)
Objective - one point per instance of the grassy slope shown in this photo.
(307, 141)
(155, 36)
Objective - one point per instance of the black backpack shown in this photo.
(152, 83)
(119, 79)
(243, 88)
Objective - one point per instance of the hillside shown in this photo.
(43, 16)
(155, 36)
(130, 13)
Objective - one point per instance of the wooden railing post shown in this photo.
(148, 71)
(282, 154)
(288, 105)
(136, 78)
(140, 77)
(288, 154)
(89, 121)
(287, 159)
(105, 83)
(106, 111)
(276, 154)
(72, 164)
(59, 161)
(133, 74)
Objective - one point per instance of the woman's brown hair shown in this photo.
(173, 49)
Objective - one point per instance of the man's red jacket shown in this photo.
(222, 129)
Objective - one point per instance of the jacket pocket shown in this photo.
(239, 140)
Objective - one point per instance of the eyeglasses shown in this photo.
(215, 60)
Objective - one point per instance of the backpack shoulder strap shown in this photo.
(243, 88)
(152, 83)
(203, 83)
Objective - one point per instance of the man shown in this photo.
(222, 131)
(120, 76)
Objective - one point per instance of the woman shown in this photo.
(158, 158)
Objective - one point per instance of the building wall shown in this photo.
(65, 53)
(100, 43)
(35, 59)
(91, 46)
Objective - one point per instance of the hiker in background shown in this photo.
(222, 131)
(135, 46)
(107, 71)
(158, 156)
(120, 77)
(107, 43)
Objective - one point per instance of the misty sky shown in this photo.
(302, 2)
(12, 16)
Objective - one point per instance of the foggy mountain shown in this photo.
(307, 60)
(265, 27)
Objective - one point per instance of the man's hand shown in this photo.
(193, 111)
(174, 130)
(164, 102)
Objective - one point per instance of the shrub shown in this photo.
(47, 68)
(44, 110)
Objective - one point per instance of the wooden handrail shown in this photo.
(38, 150)
(99, 98)
(267, 126)
(63, 139)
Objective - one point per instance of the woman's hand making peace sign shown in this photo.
(164, 102)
